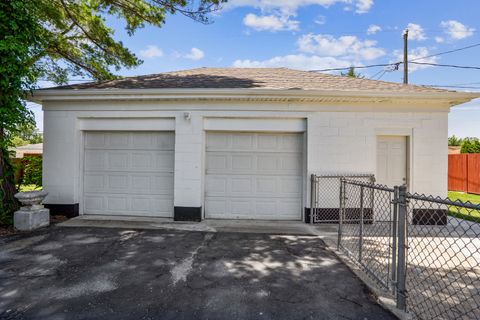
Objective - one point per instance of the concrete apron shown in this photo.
(326, 232)
(211, 225)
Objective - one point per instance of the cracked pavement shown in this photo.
(97, 273)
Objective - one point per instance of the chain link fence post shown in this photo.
(313, 195)
(402, 247)
(341, 210)
(394, 236)
(360, 238)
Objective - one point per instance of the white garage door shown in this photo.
(129, 173)
(254, 176)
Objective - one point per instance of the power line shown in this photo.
(449, 86)
(381, 75)
(447, 52)
(396, 64)
(445, 65)
(359, 67)
(376, 74)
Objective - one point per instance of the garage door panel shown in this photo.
(132, 183)
(242, 141)
(94, 160)
(259, 163)
(93, 203)
(94, 181)
(254, 176)
(267, 162)
(268, 142)
(286, 207)
(118, 140)
(239, 206)
(292, 143)
(238, 142)
(129, 173)
(290, 185)
(116, 160)
(128, 205)
(266, 185)
(265, 207)
(241, 185)
(95, 140)
(216, 207)
(242, 162)
(216, 185)
(118, 182)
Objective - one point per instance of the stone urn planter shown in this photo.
(32, 215)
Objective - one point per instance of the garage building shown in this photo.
(235, 143)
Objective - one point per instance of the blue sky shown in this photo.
(319, 34)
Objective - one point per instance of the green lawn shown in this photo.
(472, 215)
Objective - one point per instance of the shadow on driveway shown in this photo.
(95, 273)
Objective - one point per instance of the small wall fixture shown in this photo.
(187, 115)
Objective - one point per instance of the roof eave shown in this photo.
(450, 97)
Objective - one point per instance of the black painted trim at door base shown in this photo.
(187, 214)
(307, 215)
(68, 210)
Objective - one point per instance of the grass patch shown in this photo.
(462, 213)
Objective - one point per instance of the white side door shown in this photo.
(391, 160)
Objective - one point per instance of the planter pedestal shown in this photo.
(32, 215)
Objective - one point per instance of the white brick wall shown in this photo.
(337, 142)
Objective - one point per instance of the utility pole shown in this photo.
(405, 57)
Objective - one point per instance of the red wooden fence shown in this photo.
(464, 172)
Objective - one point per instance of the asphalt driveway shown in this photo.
(97, 273)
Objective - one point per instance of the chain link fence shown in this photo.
(421, 250)
(443, 258)
(325, 200)
(366, 229)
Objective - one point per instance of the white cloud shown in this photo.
(416, 32)
(363, 6)
(373, 29)
(456, 30)
(295, 61)
(319, 51)
(151, 52)
(439, 40)
(274, 22)
(195, 54)
(346, 46)
(321, 20)
(290, 6)
(415, 54)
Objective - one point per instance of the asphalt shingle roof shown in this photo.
(251, 78)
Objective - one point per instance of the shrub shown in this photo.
(32, 172)
(470, 145)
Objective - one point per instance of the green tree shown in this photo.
(470, 145)
(57, 39)
(26, 134)
(352, 74)
(454, 141)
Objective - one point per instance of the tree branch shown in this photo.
(67, 11)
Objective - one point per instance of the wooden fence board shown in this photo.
(457, 172)
(473, 173)
(464, 172)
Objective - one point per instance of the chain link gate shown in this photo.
(325, 200)
(421, 250)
